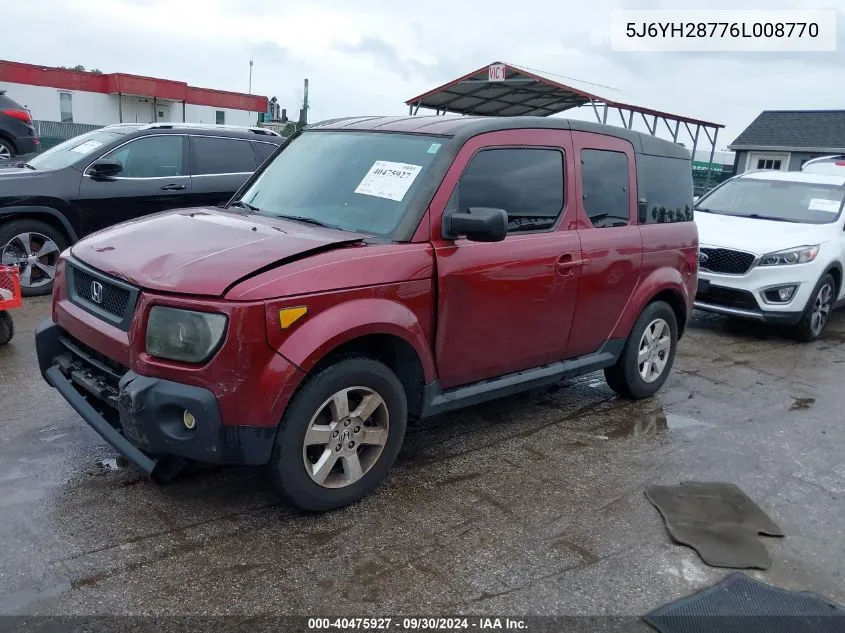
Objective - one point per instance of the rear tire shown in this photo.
(7, 152)
(648, 355)
(814, 320)
(7, 327)
(18, 239)
(339, 436)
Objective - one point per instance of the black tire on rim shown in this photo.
(6, 150)
(34, 246)
(339, 436)
(816, 313)
(7, 327)
(649, 353)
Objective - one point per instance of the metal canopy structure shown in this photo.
(501, 89)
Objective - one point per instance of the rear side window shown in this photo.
(666, 186)
(263, 151)
(527, 183)
(210, 155)
(604, 183)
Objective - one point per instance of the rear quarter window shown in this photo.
(666, 186)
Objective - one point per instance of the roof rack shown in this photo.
(164, 125)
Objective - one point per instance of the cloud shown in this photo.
(368, 58)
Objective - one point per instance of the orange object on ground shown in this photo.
(10, 288)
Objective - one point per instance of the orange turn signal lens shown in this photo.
(289, 316)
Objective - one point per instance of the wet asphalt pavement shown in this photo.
(529, 505)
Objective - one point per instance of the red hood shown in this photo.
(201, 251)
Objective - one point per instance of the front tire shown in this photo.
(339, 436)
(7, 327)
(34, 246)
(814, 320)
(648, 355)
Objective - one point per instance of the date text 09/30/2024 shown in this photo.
(416, 624)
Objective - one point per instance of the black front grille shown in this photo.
(113, 299)
(723, 260)
(110, 299)
(720, 296)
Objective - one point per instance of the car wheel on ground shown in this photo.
(340, 435)
(814, 320)
(34, 247)
(648, 355)
(7, 152)
(7, 327)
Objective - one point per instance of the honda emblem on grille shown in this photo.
(96, 292)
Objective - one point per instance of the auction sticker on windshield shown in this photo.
(823, 204)
(389, 180)
(86, 147)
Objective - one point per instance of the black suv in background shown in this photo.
(114, 174)
(17, 136)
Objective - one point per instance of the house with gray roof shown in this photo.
(785, 139)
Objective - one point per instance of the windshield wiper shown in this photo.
(240, 204)
(305, 220)
(22, 165)
(757, 216)
(705, 210)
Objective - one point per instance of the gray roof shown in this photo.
(810, 130)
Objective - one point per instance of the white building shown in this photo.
(70, 96)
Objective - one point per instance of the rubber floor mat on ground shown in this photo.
(718, 520)
(740, 604)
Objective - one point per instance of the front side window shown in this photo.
(354, 181)
(150, 157)
(221, 156)
(526, 183)
(604, 184)
(66, 107)
(783, 200)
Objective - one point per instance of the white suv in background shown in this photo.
(772, 246)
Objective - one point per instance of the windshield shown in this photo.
(354, 181)
(69, 152)
(787, 201)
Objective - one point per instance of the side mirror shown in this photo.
(479, 224)
(105, 167)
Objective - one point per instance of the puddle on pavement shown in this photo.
(654, 423)
(112, 464)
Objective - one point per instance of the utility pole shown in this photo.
(250, 74)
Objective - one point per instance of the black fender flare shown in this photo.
(71, 233)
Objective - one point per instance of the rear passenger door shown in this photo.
(219, 166)
(610, 238)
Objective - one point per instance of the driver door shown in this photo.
(154, 178)
(507, 306)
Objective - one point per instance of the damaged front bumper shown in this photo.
(142, 417)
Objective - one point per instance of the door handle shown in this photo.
(566, 263)
(173, 187)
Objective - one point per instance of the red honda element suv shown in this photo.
(375, 271)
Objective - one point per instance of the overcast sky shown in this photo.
(368, 57)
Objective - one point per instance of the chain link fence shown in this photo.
(52, 133)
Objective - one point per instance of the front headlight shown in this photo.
(183, 335)
(798, 255)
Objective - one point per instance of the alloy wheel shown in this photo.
(345, 437)
(653, 351)
(35, 254)
(821, 309)
(5, 152)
